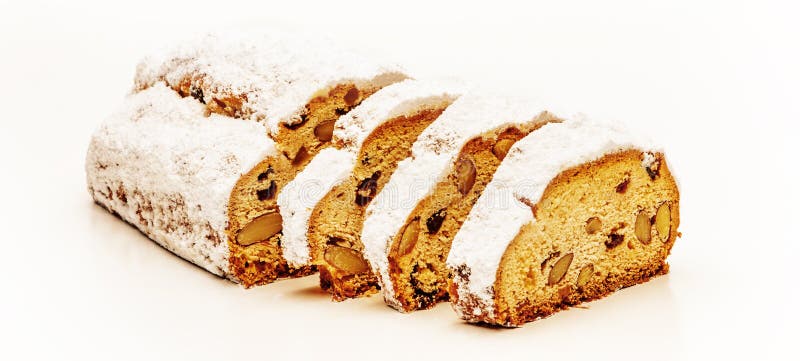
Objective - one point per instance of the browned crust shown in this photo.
(573, 295)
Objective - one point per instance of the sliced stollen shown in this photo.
(576, 211)
(296, 88)
(410, 224)
(164, 166)
(323, 207)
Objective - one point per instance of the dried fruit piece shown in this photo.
(351, 97)
(549, 257)
(301, 156)
(434, 222)
(260, 229)
(614, 240)
(623, 186)
(465, 175)
(324, 130)
(663, 221)
(269, 193)
(593, 225)
(585, 275)
(559, 269)
(366, 189)
(409, 238)
(197, 93)
(346, 259)
(501, 147)
(642, 228)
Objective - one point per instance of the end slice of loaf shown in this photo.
(296, 87)
(576, 211)
(163, 165)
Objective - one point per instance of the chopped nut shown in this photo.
(559, 269)
(501, 147)
(366, 189)
(324, 130)
(260, 229)
(593, 225)
(434, 222)
(409, 237)
(585, 275)
(663, 221)
(346, 259)
(465, 175)
(351, 97)
(642, 228)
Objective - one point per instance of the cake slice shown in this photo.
(296, 88)
(323, 207)
(576, 211)
(410, 224)
(164, 166)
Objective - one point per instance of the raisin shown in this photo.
(268, 193)
(434, 222)
(367, 189)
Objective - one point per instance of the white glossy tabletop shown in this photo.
(716, 83)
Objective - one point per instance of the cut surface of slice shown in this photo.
(571, 215)
(324, 229)
(407, 233)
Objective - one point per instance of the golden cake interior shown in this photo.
(334, 232)
(599, 227)
(255, 224)
(419, 251)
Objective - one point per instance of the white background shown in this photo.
(717, 83)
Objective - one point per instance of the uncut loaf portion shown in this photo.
(323, 206)
(576, 211)
(410, 224)
(166, 167)
(295, 87)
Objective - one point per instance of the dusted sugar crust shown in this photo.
(563, 218)
(161, 165)
(296, 87)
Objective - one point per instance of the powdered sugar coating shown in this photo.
(163, 166)
(276, 74)
(500, 212)
(432, 157)
(299, 197)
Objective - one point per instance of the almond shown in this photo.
(324, 130)
(585, 275)
(501, 147)
(465, 175)
(409, 237)
(642, 228)
(663, 221)
(260, 229)
(559, 269)
(346, 259)
(593, 225)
